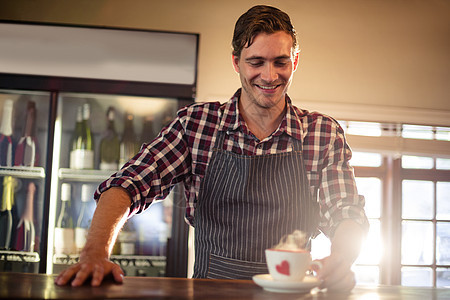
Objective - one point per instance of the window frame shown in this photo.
(391, 173)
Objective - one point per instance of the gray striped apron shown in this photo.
(246, 204)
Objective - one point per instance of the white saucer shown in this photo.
(267, 283)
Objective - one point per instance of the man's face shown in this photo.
(265, 69)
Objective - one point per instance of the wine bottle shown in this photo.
(128, 144)
(64, 233)
(84, 219)
(25, 229)
(167, 117)
(110, 144)
(6, 219)
(27, 153)
(128, 239)
(82, 147)
(6, 135)
(148, 130)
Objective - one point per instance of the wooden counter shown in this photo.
(40, 286)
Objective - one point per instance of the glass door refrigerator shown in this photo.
(76, 102)
(24, 137)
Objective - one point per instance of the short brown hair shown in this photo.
(260, 18)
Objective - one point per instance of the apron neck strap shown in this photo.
(297, 144)
(220, 140)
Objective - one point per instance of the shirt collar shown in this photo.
(290, 124)
(230, 114)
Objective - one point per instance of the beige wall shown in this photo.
(365, 54)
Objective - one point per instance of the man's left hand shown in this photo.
(336, 273)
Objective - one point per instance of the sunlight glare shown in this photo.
(372, 247)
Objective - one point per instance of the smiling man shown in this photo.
(265, 69)
(254, 169)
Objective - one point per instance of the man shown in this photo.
(252, 169)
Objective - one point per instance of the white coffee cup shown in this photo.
(289, 265)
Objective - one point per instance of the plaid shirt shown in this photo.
(183, 149)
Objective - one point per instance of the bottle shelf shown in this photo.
(18, 261)
(18, 256)
(133, 265)
(84, 175)
(139, 261)
(23, 172)
(122, 260)
(63, 259)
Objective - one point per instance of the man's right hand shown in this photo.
(110, 215)
(87, 268)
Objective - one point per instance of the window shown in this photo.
(403, 171)
(425, 224)
(417, 132)
(417, 162)
(366, 159)
(442, 163)
(364, 128)
(367, 268)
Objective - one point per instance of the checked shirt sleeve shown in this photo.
(155, 169)
(333, 177)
